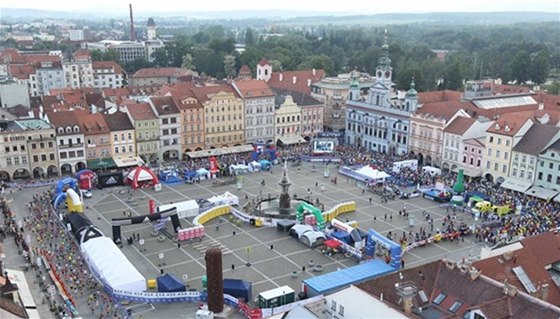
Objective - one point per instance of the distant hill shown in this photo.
(290, 17)
(467, 18)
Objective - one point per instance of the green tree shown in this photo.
(96, 55)
(111, 55)
(520, 67)
(540, 68)
(554, 88)
(229, 66)
(276, 65)
(225, 45)
(318, 62)
(188, 62)
(453, 75)
(249, 37)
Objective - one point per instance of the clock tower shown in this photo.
(384, 71)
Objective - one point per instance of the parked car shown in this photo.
(86, 193)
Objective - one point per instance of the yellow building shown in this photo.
(501, 137)
(223, 115)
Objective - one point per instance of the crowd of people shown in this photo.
(60, 250)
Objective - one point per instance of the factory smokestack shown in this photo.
(132, 33)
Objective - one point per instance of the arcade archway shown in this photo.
(4, 176)
(52, 171)
(66, 169)
(22, 173)
(38, 172)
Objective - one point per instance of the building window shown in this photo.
(551, 165)
(507, 142)
(514, 172)
(35, 158)
(549, 178)
(540, 176)
(116, 150)
(504, 168)
(499, 141)
(341, 310)
(491, 139)
(506, 155)
(496, 166)
(455, 306)
(489, 152)
(497, 153)
(333, 305)
(439, 299)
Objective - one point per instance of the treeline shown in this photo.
(518, 52)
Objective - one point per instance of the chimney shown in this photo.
(308, 82)
(541, 105)
(544, 292)
(294, 79)
(280, 77)
(474, 273)
(132, 35)
(313, 71)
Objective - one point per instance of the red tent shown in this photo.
(332, 243)
(141, 177)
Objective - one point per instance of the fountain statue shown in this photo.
(285, 199)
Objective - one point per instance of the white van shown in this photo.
(433, 171)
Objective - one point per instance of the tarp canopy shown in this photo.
(141, 176)
(185, 209)
(127, 162)
(541, 192)
(221, 151)
(516, 185)
(106, 162)
(292, 139)
(169, 283)
(371, 173)
(103, 255)
(332, 243)
(226, 198)
(202, 171)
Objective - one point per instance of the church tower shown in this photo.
(264, 70)
(411, 98)
(151, 29)
(354, 91)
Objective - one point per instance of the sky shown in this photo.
(308, 6)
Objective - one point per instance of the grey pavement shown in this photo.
(269, 268)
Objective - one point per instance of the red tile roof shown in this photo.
(93, 124)
(22, 72)
(81, 91)
(116, 92)
(162, 72)
(509, 89)
(263, 62)
(253, 88)
(459, 125)
(445, 109)
(510, 123)
(118, 121)
(479, 293)
(12, 56)
(538, 252)
(141, 111)
(204, 93)
(37, 59)
(303, 80)
(64, 119)
(165, 105)
(82, 54)
(438, 96)
(108, 65)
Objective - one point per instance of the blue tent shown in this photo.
(190, 175)
(169, 283)
(265, 165)
(169, 176)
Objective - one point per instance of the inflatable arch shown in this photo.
(394, 249)
(313, 210)
(118, 222)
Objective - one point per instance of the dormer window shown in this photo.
(506, 128)
(497, 127)
(68, 129)
(76, 129)
(60, 130)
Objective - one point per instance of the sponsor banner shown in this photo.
(183, 296)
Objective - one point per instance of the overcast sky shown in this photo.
(308, 6)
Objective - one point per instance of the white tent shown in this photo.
(254, 166)
(541, 192)
(372, 174)
(185, 209)
(226, 198)
(112, 266)
(203, 173)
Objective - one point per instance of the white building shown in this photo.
(12, 94)
(78, 72)
(107, 74)
(169, 114)
(69, 140)
(259, 110)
